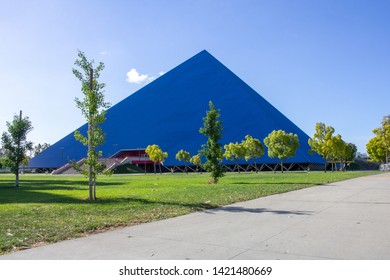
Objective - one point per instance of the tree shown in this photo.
(349, 154)
(183, 156)
(379, 148)
(15, 143)
(196, 160)
(281, 145)
(319, 142)
(234, 151)
(212, 150)
(93, 109)
(336, 147)
(376, 150)
(156, 155)
(39, 148)
(2, 158)
(254, 149)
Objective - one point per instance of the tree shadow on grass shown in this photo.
(43, 191)
(32, 194)
(194, 206)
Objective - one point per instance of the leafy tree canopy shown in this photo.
(378, 148)
(212, 150)
(15, 144)
(93, 108)
(281, 145)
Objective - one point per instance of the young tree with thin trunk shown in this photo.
(156, 155)
(183, 156)
(212, 150)
(235, 151)
(281, 145)
(349, 154)
(15, 144)
(319, 143)
(336, 147)
(254, 149)
(197, 161)
(93, 108)
(378, 148)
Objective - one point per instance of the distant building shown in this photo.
(363, 156)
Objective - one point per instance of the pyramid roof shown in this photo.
(169, 112)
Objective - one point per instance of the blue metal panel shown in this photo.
(169, 112)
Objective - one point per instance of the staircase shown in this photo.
(67, 168)
(111, 163)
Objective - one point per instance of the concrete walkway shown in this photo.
(344, 220)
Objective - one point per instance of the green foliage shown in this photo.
(281, 145)
(254, 149)
(378, 148)
(39, 148)
(2, 158)
(331, 148)
(212, 150)
(335, 145)
(235, 151)
(196, 160)
(15, 144)
(319, 142)
(156, 154)
(93, 109)
(183, 156)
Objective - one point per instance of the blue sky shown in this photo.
(315, 61)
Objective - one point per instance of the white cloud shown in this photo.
(133, 77)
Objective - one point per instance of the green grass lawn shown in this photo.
(48, 208)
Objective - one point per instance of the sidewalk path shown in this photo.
(344, 220)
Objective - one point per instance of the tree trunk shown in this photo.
(94, 187)
(90, 182)
(90, 135)
(18, 160)
(17, 178)
(255, 165)
(281, 166)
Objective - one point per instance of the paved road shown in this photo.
(344, 220)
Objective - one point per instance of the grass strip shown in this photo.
(47, 209)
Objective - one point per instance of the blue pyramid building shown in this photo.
(169, 112)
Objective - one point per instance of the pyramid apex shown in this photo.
(204, 52)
